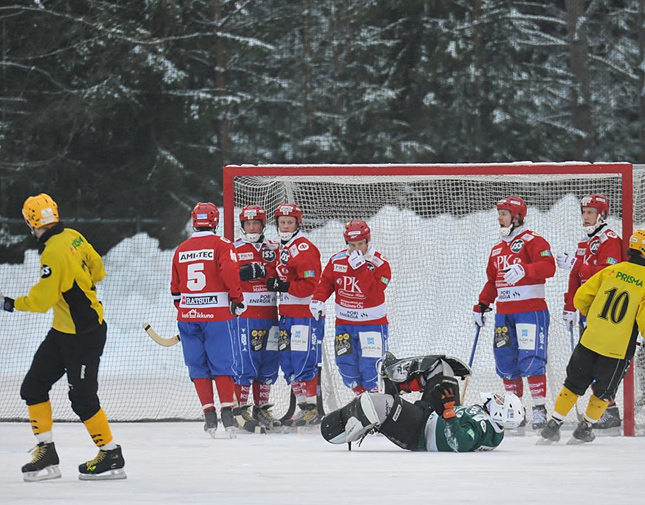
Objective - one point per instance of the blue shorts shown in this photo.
(207, 347)
(300, 345)
(256, 351)
(358, 348)
(520, 344)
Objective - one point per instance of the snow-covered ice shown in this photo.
(179, 463)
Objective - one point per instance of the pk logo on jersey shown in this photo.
(517, 245)
(350, 285)
(268, 255)
(45, 272)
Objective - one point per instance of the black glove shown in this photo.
(252, 271)
(6, 303)
(444, 397)
(237, 308)
(275, 284)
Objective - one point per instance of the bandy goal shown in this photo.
(436, 224)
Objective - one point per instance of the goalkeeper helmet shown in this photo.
(40, 211)
(357, 230)
(601, 204)
(637, 241)
(506, 411)
(205, 215)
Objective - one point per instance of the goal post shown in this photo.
(436, 225)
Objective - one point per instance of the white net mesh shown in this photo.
(436, 232)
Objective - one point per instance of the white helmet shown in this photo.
(506, 410)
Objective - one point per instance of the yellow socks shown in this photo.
(564, 403)
(595, 409)
(41, 418)
(99, 428)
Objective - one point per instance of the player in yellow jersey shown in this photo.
(613, 301)
(69, 271)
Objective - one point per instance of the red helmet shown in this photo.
(251, 212)
(205, 215)
(598, 202)
(515, 205)
(289, 209)
(357, 230)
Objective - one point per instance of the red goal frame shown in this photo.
(623, 169)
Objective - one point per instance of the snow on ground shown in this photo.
(179, 463)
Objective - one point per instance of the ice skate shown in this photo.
(264, 415)
(539, 417)
(210, 422)
(307, 416)
(44, 464)
(609, 423)
(246, 422)
(107, 465)
(582, 434)
(228, 421)
(550, 433)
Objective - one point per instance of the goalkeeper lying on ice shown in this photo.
(436, 422)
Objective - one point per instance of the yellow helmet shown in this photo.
(637, 241)
(40, 211)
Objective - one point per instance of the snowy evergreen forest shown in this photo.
(129, 109)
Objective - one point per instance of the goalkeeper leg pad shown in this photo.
(404, 424)
(351, 422)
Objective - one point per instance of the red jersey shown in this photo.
(260, 302)
(360, 294)
(204, 273)
(593, 254)
(533, 252)
(298, 264)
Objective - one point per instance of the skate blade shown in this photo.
(117, 474)
(51, 472)
(545, 441)
(232, 432)
(211, 432)
(575, 441)
(608, 432)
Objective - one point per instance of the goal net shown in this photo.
(436, 224)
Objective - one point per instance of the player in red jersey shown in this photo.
(300, 338)
(518, 267)
(256, 347)
(358, 275)
(206, 290)
(600, 247)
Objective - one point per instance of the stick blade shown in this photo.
(164, 342)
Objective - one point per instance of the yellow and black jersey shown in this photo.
(613, 300)
(69, 271)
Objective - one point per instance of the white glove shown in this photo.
(478, 314)
(569, 318)
(356, 259)
(479, 319)
(514, 274)
(237, 308)
(317, 309)
(565, 261)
